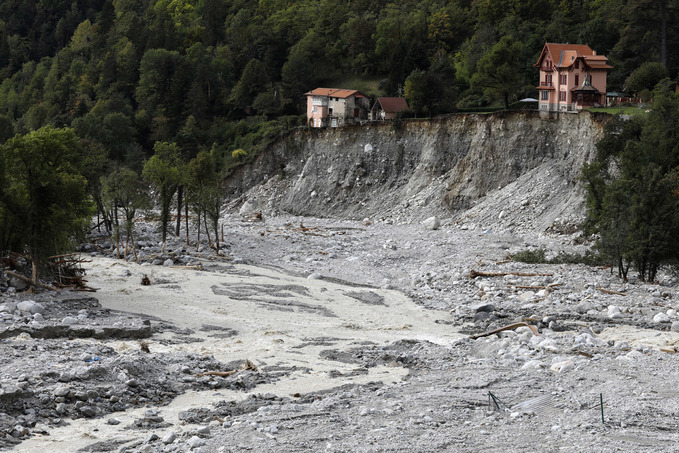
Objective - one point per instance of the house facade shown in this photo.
(386, 108)
(336, 107)
(572, 78)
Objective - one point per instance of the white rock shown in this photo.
(432, 223)
(195, 441)
(560, 367)
(532, 365)
(675, 326)
(69, 320)
(526, 296)
(314, 276)
(661, 318)
(168, 262)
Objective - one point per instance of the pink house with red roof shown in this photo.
(336, 107)
(572, 77)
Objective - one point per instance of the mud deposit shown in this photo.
(342, 336)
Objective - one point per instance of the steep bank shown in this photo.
(507, 170)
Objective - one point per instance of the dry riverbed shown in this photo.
(324, 335)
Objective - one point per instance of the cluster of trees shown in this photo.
(52, 183)
(214, 82)
(633, 189)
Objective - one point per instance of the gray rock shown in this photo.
(18, 284)
(484, 307)
(432, 223)
(30, 306)
(205, 430)
(61, 391)
(195, 441)
(169, 437)
(69, 320)
(151, 438)
(168, 262)
(113, 421)
(675, 326)
(38, 317)
(661, 318)
(88, 411)
(315, 276)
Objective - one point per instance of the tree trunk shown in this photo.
(186, 221)
(207, 231)
(180, 193)
(198, 235)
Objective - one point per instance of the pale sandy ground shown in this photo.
(266, 335)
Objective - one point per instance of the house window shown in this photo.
(577, 79)
(315, 109)
(544, 95)
(563, 96)
(563, 79)
(330, 111)
(549, 80)
(577, 64)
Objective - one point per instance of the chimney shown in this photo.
(594, 52)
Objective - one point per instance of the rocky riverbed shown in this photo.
(333, 335)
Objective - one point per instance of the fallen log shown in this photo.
(30, 281)
(509, 327)
(474, 273)
(608, 291)
(218, 373)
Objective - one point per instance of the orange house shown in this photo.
(335, 107)
(572, 77)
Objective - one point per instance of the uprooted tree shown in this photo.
(44, 203)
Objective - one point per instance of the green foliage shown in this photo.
(633, 187)
(646, 76)
(499, 72)
(163, 170)
(539, 256)
(43, 200)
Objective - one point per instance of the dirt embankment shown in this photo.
(408, 171)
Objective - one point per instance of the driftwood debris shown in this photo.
(553, 285)
(252, 217)
(608, 291)
(509, 327)
(145, 280)
(30, 281)
(474, 273)
(198, 267)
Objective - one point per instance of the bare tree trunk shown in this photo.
(134, 249)
(186, 221)
(198, 235)
(180, 193)
(207, 230)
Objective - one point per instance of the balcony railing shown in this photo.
(546, 84)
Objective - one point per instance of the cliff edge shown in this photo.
(509, 171)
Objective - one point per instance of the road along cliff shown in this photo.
(509, 170)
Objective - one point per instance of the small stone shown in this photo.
(489, 308)
(560, 367)
(675, 326)
(113, 421)
(151, 438)
(205, 430)
(132, 383)
(661, 318)
(169, 437)
(69, 320)
(195, 441)
(432, 223)
(88, 411)
(168, 262)
(315, 276)
(61, 391)
(526, 296)
(38, 317)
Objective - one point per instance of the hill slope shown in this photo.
(508, 171)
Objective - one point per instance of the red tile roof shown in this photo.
(333, 92)
(393, 105)
(564, 55)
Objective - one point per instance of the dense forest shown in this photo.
(232, 73)
(208, 84)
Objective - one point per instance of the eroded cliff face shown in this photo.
(451, 167)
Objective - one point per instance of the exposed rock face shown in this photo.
(423, 168)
